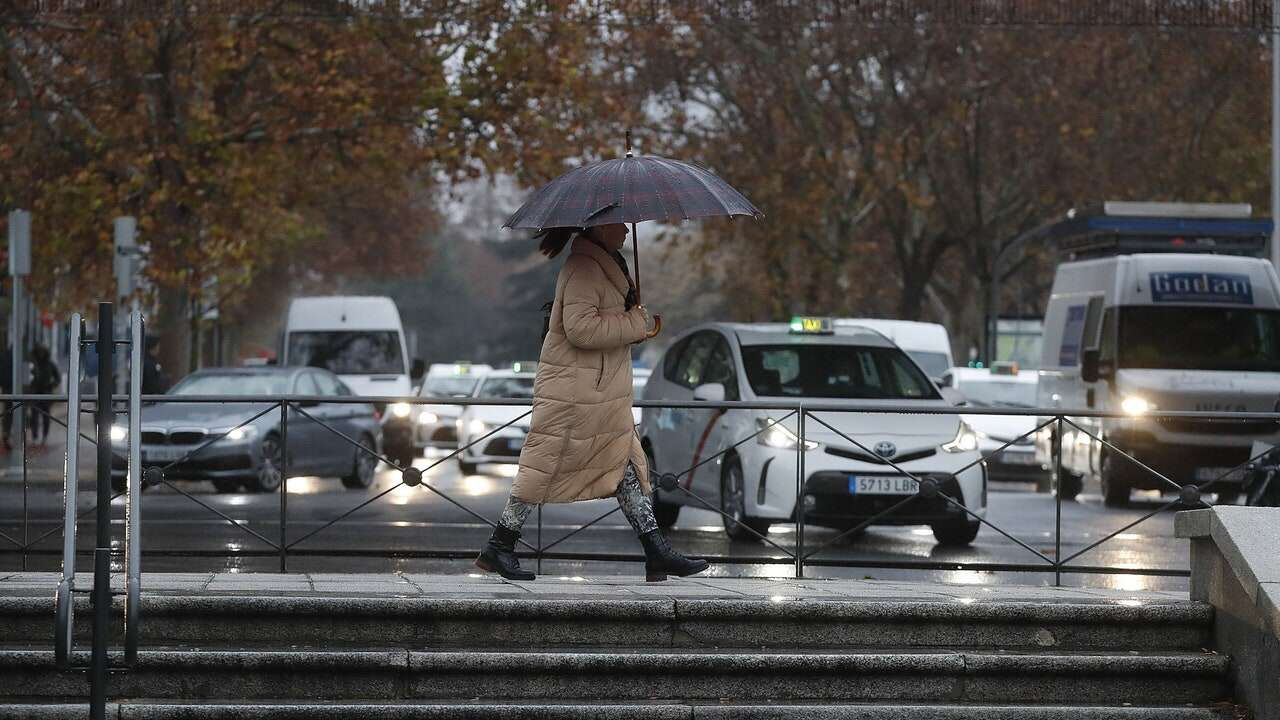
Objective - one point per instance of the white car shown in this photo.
(639, 376)
(437, 425)
(1003, 386)
(809, 360)
(478, 421)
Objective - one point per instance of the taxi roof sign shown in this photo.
(802, 325)
(1004, 367)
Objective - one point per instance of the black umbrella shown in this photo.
(630, 190)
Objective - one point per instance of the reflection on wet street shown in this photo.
(435, 527)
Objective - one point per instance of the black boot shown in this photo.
(500, 555)
(661, 560)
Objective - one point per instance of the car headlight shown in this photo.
(427, 417)
(1134, 405)
(477, 428)
(400, 410)
(119, 433)
(775, 435)
(236, 434)
(966, 440)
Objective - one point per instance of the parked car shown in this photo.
(811, 360)
(1003, 385)
(478, 421)
(639, 376)
(213, 441)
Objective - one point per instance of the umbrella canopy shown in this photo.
(631, 190)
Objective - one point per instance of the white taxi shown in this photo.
(497, 434)
(808, 360)
(437, 425)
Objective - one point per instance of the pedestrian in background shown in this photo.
(154, 379)
(582, 443)
(6, 388)
(45, 379)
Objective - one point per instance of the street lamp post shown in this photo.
(19, 269)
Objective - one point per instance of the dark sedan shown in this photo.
(213, 441)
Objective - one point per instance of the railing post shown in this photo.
(133, 498)
(102, 549)
(284, 485)
(800, 450)
(26, 488)
(539, 557)
(1056, 450)
(63, 633)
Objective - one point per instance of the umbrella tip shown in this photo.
(629, 154)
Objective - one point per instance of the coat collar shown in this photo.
(583, 246)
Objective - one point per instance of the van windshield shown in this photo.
(934, 364)
(834, 371)
(1199, 338)
(348, 352)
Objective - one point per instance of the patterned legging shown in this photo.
(637, 506)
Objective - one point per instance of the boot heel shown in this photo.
(655, 577)
(485, 565)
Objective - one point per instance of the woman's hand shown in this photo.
(657, 323)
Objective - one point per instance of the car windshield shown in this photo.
(1199, 338)
(232, 384)
(934, 364)
(449, 386)
(348, 352)
(834, 371)
(507, 387)
(994, 393)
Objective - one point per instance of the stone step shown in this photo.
(922, 676)
(440, 710)
(265, 621)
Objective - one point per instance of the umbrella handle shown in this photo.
(657, 328)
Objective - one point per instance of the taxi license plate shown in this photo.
(1209, 474)
(881, 485)
(162, 454)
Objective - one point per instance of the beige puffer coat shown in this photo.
(581, 435)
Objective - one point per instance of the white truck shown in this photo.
(927, 343)
(1161, 306)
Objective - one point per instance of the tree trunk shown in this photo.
(174, 339)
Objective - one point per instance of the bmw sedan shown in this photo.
(214, 441)
(745, 461)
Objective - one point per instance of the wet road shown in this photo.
(443, 518)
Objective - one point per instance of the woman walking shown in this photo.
(581, 443)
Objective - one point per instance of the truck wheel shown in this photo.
(1115, 486)
(1228, 497)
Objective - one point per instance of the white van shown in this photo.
(358, 338)
(927, 343)
(1177, 326)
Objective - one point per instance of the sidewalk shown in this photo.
(476, 586)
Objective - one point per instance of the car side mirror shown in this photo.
(418, 369)
(1093, 369)
(710, 392)
(953, 396)
(946, 380)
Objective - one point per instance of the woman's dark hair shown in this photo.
(552, 240)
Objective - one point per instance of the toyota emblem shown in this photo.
(886, 449)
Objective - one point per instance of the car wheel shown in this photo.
(733, 505)
(956, 532)
(227, 486)
(664, 512)
(467, 468)
(1115, 486)
(1071, 485)
(363, 465)
(270, 465)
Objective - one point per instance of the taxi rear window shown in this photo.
(835, 371)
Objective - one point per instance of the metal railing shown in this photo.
(811, 420)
